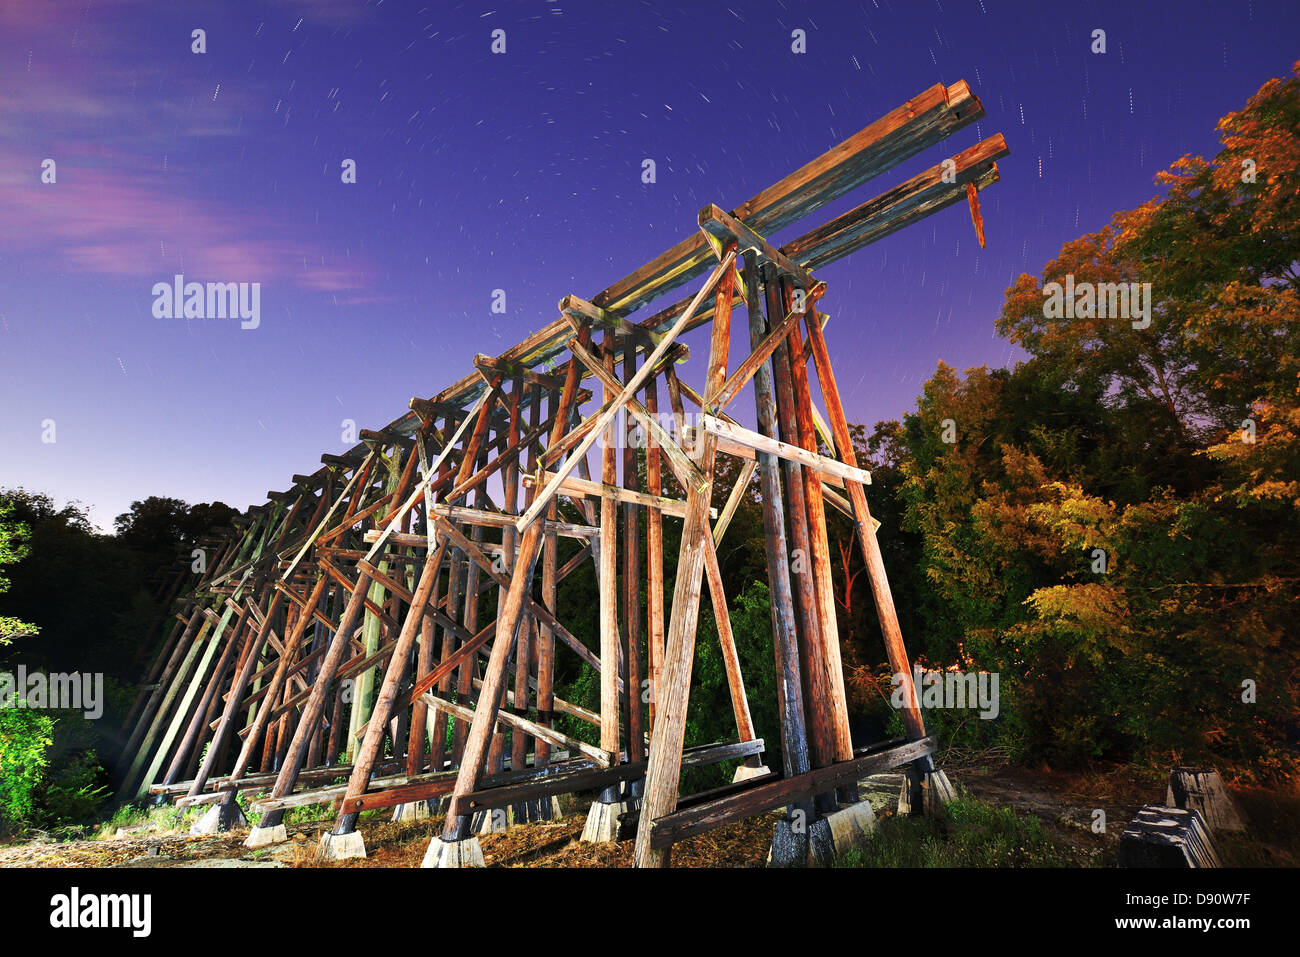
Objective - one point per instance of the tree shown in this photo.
(13, 548)
(159, 527)
(1111, 524)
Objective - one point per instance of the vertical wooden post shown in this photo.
(438, 746)
(727, 642)
(509, 537)
(508, 619)
(469, 668)
(545, 639)
(608, 584)
(420, 729)
(837, 704)
(397, 667)
(785, 639)
(193, 733)
(815, 690)
(632, 583)
(880, 592)
(311, 711)
(162, 694)
(654, 550)
(665, 763)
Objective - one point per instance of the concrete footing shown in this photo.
(340, 847)
(925, 794)
(490, 821)
(1167, 837)
(795, 843)
(539, 809)
(466, 853)
(262, 836)
(745, 772)
(218, 819)
(497, 819)
(413, 811)
(851, 825)
(604, 825)
(1202, 790)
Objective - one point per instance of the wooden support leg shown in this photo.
(524, 653)
(491, 692)
(397, 667)
(785, 639)
(235, 696)
(197, 723)
(815, 690)
(664, 768)
(608, 584)
(161, 696)
(632, 595)
(880, 592)
(311, 712)
(508, 618)
(730, 660)
(545, 638)
(654, 551)
(836, 705)
(278, 681)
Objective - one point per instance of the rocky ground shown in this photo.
(1066, 803)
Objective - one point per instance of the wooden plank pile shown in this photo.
(392, 618)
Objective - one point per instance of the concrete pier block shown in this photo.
(538, 809)
(413, 811)
(490, 821)
(796, 843)
(851, 825)
(1202, 790)
(925, 794)
(494, 820)
(218, 819)
(1167, 837)
(262, 836)
(340, 847)
(466, 853)
(604, 825)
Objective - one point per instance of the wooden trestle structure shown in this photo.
(392, 617)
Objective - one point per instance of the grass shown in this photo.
(971, 833)
(164, 819)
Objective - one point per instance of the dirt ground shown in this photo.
(1066, 803)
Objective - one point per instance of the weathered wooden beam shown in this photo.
(573, 486)
(629, 390)
(761, 443)
(769, 792)
(600, 757)
(924, 194)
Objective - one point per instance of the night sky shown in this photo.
(518, 171)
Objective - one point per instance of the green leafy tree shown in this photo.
(25, 736)
(1113, 527)
(13, 547)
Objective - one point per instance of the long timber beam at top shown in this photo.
(916, 125)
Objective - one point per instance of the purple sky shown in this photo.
(521, 172)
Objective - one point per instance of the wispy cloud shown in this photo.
(114, 210)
